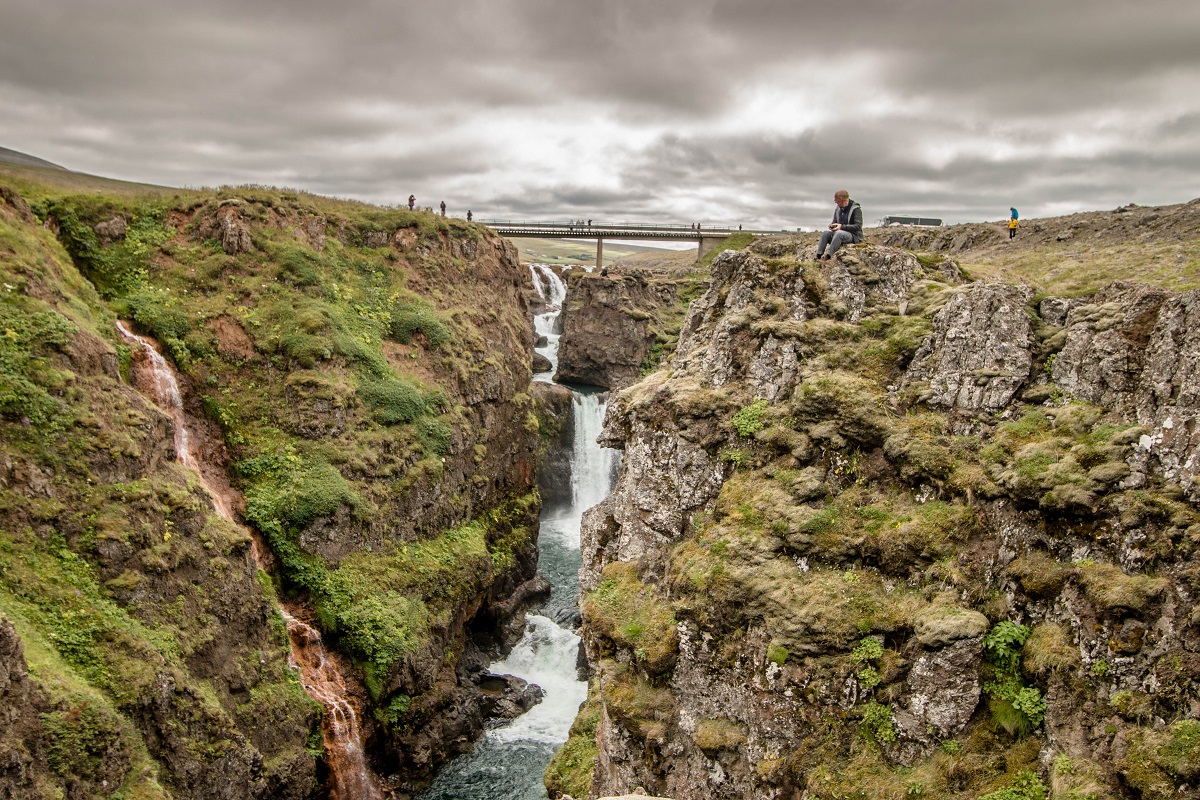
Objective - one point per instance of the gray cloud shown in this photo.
(754, 110)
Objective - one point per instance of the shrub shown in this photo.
(749, 420)
(869, 649)
(1025, 786)
(1002, 648)
(293, 491)
(877, 722)
(394, 401)
(411, 317)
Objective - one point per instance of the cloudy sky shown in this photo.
(722, 111)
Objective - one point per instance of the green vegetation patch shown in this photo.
(630, 614)
(570, 771)
(1016, 706)
(643, 708)
(290, 488)
(381, 606)
(30, 332)
(396, 401)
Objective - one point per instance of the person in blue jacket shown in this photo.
(846, 227)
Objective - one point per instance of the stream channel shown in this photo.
(510, 760)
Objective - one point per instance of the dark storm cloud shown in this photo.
(685, 108)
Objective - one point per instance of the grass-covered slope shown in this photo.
(1075, 254)
(152, 644)
(357, 374)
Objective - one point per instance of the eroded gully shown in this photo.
(350, 778)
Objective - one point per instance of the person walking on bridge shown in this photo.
(846, 226)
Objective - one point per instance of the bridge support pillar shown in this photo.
(599, 253)
(707, 245)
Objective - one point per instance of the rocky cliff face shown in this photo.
(615, 328)
(882, 532)
(370, 419)
(153, 652)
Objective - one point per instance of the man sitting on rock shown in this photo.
(846, 226)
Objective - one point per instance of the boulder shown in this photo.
(111, 230)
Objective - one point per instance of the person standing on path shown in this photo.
(468, 215)
(1012, 222)
(412, 201)
(846, 226)
(443, 208)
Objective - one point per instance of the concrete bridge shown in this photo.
(706, 237)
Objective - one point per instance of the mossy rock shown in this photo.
(1111, 590)
(943, 625)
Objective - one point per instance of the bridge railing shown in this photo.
(617, 227)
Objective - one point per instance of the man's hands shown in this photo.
(835, 226)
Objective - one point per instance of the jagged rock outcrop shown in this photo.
(1106, 341)
(978, 356)
(614, 327)
(809, 583)
(1134, 348)
(228, 228)
(667, 477)
(556, 431)
(111, 230)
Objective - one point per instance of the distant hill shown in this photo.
(14, 157)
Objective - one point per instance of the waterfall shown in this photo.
(553, 290)
(511, 759)
(319, 674)
(593, 468)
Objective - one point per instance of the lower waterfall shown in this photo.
(511, 759)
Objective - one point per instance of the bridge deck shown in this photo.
(619, 230)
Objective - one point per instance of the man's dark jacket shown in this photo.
(850, 218)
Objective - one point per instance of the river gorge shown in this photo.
(871, 527)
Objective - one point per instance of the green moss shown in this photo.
(644, 709)
(630, 614)
(394, 401)
(411, 316)
(1112, 590)
(570, 771)
(719, 735)
(380, 606)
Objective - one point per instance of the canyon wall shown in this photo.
(617, 328)
(882, 531)
(371, 421)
